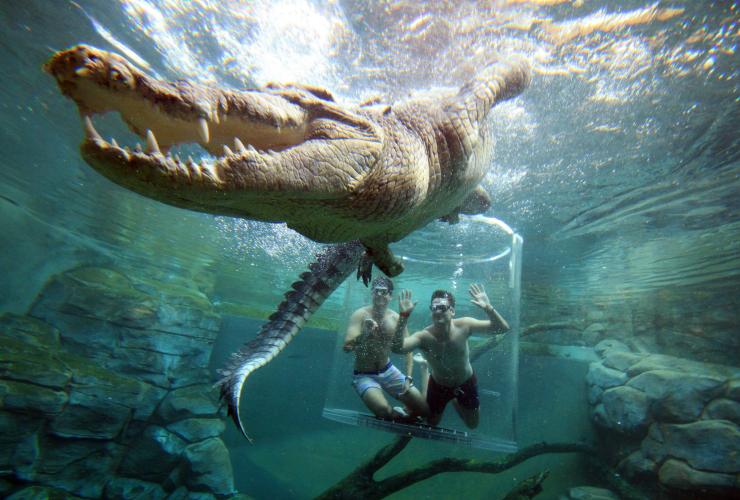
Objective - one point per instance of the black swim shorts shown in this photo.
(439, 395)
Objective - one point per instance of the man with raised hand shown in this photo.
(445, 347)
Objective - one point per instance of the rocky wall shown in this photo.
(104, 392)
(672, 424)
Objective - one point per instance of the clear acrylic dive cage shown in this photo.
(490, 254)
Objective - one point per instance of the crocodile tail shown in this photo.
(332, 266)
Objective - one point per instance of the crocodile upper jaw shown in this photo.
(101, 82)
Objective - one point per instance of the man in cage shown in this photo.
(444, 344)
(374, 332)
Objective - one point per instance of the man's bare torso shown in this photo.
(372, 354)
(448, 357)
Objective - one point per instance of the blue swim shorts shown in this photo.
(389, 378)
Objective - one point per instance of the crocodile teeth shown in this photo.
(114, 142)
(239, 145)
(151, 143)
(90, 131)
(138, 148)
(227, 151)
(203, 133)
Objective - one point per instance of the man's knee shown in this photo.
(471, 418)
(385, 412)
(415, 402)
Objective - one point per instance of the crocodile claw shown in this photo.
(365, 268)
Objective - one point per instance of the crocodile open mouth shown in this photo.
(280, 138)
(168, 114)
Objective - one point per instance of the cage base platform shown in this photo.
(421, 430)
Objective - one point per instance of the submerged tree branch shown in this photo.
(543, 327)
(481, 348)
(360, 484)
(529, 488)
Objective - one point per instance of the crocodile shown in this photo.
(359, 177)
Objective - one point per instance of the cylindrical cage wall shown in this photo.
(496, 369)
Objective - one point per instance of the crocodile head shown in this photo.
(259, 138)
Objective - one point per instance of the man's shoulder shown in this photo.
(424, 333)
(465, 320)
(362, 311)
(463, 324)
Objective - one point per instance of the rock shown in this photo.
(103, 421)
(637, 466)
(677, 397)
(722, 409)
(733, 390)
(81, 466)
(31, 398)
(594, 394)
(36, 370)
(209, 467)
(708, 445)
(42, 493)
(154, 455)
(14, 427)
(621, 360)
(122, 488)
(30, 331)
(599, 416)
(652, 447)
(159, 332)
(182, 493)
(24, 457)
(683, 365)
(593, 333)
(677, 474)
(197, 429)
(91, 385)
(626, 409)
(610, 345)
(591, 493)
(5, 488)
(189, 402)
(604, 377)
(596, 315)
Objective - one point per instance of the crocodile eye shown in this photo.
(93, 57)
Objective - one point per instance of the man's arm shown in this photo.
(494, 324)
(402, 342)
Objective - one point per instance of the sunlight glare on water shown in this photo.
(256, 42)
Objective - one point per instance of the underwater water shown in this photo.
(619, 166)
